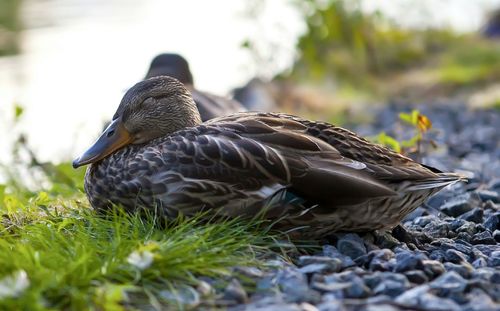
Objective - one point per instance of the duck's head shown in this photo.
(169, 64)
(150, 109)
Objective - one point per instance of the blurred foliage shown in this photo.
(10, 25)
(371, 53)
(343, 43)
(463, 65)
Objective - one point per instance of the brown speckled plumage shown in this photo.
(239, 164)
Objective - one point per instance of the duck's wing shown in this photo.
(383, 163)
(256, 158)
(211, 106)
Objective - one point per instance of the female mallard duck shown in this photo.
(156, 153)
(209, 105)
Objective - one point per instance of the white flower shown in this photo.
(140, 260)
(14, 285)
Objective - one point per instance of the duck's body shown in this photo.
(209, 105)
(248, 163)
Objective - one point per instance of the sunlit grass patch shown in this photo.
(67, 257)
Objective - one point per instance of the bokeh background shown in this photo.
(65, 64)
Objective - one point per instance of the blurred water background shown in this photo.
(73, 59)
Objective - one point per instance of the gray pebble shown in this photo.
(252, 272)
(351, 245)
(484, 237)
(449, 282)
(271, 307)
(462, 236)
(496, 235)
(312, 264)
(389, 288)
(332, 252)
(492, 223)
(357, 289)
(480, 301)
(460, 204)
(234, 291)
(479, 263)
(432, 302)
(416, 276)
(475, 215)
(489, 205)
(418, 297)
(468, 227)
(334, 305)
(457, 223)
(488, 195)
(295, 286)
(494, 259)
(407, 261)
(433, 268)
(455, 256)
(464, 268)
(183, 295)
(314, 268)
(386, 240)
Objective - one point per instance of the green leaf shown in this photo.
(412, 141)
(410, 118)
(18, 111)
(246, 44)
(389, 141)
(414, 116)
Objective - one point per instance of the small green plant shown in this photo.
(420, 124)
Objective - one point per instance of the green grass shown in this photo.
(56, 253)
(74, 258)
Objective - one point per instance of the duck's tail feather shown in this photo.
(443, 180)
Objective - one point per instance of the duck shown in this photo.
(209, 105)
(308, 177)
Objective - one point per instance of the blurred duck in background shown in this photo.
(256, 95)
(209, 105)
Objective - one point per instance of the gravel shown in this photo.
(446, 255)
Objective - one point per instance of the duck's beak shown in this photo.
(113, 138)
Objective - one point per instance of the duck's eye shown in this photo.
(110, 133)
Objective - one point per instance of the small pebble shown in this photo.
(484, 237)
(351, 245)
(416, 276)
(492, 223)
(496, 235)
(488, 195)
(234, 291)
(455, 256)
(459, 205)
(475, 215)
(494, 259)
